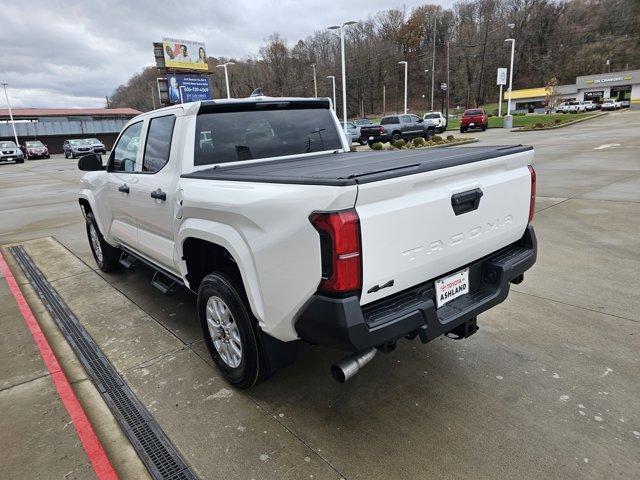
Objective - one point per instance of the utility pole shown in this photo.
(315, 83)
(384, 99)
(406, 73)
(333, 83)
(153, 97)
(13, 125)
(433, 61)
(448, 82)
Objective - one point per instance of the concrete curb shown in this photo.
(562, 125)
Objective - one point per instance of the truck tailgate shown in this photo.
(411, 233)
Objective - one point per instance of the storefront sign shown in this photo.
(593, 95)
(502, 76)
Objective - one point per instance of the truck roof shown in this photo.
(193, 108)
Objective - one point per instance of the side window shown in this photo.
(415, 118)
(123, 158)
(406, 118)
(158, 145)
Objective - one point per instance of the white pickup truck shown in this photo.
(258, 206)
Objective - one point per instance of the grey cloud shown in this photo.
(73, 53)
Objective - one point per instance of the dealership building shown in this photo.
(619, 85)
(52, 126)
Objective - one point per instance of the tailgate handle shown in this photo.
(468, 201)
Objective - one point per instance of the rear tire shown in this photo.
(107, 257)
(395, 137)
(20, 161)
(231, 331)
(362, 141)
(462, 130)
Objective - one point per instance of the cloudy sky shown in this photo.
(71, 53)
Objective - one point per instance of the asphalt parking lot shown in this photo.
(548, 387)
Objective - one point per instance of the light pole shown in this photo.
(406, 72)
(433, 62)
(508, 119)
(13, 125)
(315, 84)
(333, 82)
(344, 72)
(226, 75)
(425, 72)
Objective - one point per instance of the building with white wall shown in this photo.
(620, 85)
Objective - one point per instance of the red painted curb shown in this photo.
(90, 442)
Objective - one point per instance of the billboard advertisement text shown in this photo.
(188, 88)
(184, 54)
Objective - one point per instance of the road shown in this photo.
(548, 388)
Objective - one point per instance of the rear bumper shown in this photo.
(343, 324)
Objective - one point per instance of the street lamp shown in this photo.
(226, 75)
(508, 119)
(315, 84)
(13, 125)
(406, 71)
(425, 72)
(333, 81)
(344, 73)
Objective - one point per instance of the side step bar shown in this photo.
(162, 280)
(163, 283)
(128, 261)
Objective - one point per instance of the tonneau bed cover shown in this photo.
(341, 169)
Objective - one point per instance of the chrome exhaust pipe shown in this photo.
(349, 366)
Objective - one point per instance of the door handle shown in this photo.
(159, 195)
(466, 201)
(124, 188)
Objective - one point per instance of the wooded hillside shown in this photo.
(561, 39)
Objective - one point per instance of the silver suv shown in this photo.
(10, 152)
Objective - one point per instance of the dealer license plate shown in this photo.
(370, 138)
(471, 124)
(451, 287)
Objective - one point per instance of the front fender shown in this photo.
(88, 195)
(229, 238)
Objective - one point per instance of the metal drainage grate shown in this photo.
(154, 448)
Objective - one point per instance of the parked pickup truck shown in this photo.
(258, 207)
(396, 127)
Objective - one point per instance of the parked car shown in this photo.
(326, 247)
(34, 149)
(562, 108)
(575, 107)
(590, 105)
(76, 148)
(611, 104)
(438, 119)
(98, 146)
(396, 127)
(474, 118)
(625, 103)
(354, 132)
(361, 122)
(10, 152)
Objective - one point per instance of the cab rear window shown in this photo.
(223, 137)
(473, 112)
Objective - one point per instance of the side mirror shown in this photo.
(90, 163)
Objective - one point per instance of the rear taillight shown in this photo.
(340, 248)
(381, 129)
(532, 201)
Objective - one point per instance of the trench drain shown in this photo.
(152, 445)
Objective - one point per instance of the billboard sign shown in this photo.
(188, 88)
(184, 54)
(502, 76)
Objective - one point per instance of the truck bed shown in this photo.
(341, 169)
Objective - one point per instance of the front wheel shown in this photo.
(230, 331)
(362, 141)
(106, 256)
(20, 161)
(428, 135)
